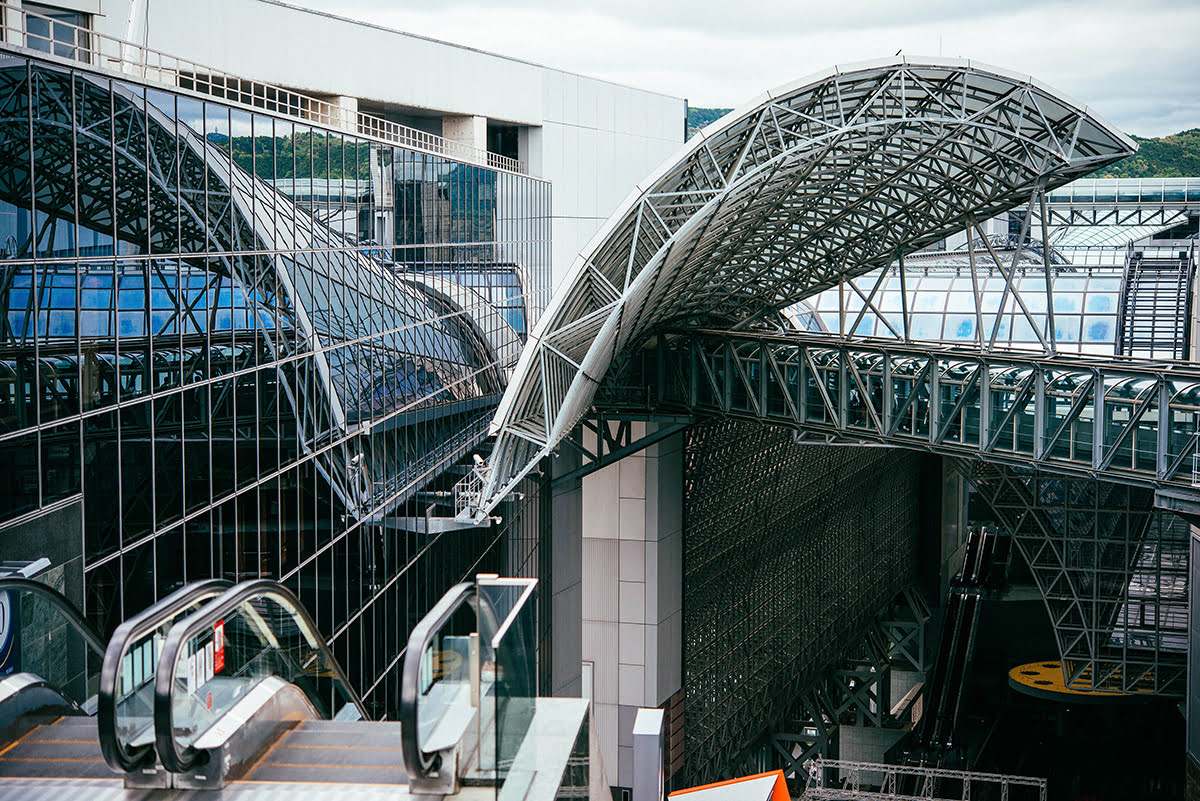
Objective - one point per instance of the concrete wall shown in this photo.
(632, 592)
(599, 140)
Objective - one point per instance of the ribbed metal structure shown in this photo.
(789, 552)
(816, 182)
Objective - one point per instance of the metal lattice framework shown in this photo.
(1111, 569)
(790, 552)
(1016, 409)
(199, 196)
(803, 187)
(844, 780)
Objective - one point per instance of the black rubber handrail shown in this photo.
(417, 761)
(64, 605)
(154, 617)
(169, 754)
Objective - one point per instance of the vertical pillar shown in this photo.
(468, 131)
(566, 572)
(954, 525)
(1192, 760)
(529, 148)
(632, 591)
(648, 755)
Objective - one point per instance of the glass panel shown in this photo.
(444, 683)
(508, 626)
(260, 637)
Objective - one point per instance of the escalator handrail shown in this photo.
(416, 762)
(69, 610)
(117, 756)
(182, 632)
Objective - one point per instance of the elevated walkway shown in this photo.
(1125, 420)
(230, 691)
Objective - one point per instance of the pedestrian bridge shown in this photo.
(1125, 420)
(801, 190)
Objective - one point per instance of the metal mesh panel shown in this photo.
(789, 551)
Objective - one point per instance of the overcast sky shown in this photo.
(1136, 63)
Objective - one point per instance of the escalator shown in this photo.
(938, 739)
(231, 687)
(48, 699)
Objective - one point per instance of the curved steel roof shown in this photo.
(822, 179)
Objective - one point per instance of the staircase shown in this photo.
(1156, 305)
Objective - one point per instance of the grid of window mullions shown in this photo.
(216, 421)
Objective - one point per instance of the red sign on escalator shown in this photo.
(218, 646)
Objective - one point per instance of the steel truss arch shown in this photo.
(806, 186)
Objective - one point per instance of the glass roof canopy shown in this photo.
(942, 304)
(821, 180)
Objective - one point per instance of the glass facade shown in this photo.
(247, 343)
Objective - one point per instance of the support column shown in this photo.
(566, 540)
(954, 526)
(468, 131)
(632, 591)
(1192, 782)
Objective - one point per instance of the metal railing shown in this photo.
(418, 762)
(872, 780)
(146, 623)
(78, 45)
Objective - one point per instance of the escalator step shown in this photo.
(327, 752)
(58, 750)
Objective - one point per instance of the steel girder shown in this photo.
(805, 186)
(1020, 410)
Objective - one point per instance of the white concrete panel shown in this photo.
(670, 577)
(601, 512)
(599, 640)
(633, 476)
(605, 718)
(600, 648)
(588, 103)
(606, 107)
(670, 654)
(552, 104)
(652, 638)
(600, 560)
(632, 644)
(632, 560)
(321, 53)
(631, 687)
(650, 550)
(632, 602)
(633, 518)
(624, 766)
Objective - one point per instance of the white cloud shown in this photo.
(1112, 56)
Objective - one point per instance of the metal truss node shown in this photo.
(803, 188)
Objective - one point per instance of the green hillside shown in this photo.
(1164, 157)
(699, 117)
